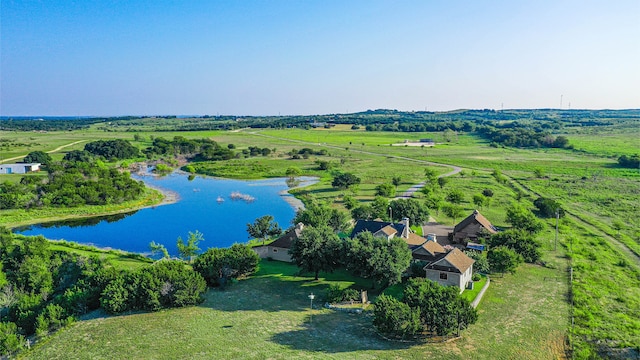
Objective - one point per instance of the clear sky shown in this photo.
(152, 57)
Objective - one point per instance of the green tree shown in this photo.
(320, 214)
(434, 202)
(479, 200)
(349, 201)
(522, 218)
(503, 259)
(520, 241)
(159, 249)
(442, 309)
(345, 180)
(376, 258)
(10, 340)
(455, 196)
(217, 266)
(38, 157)
(392, 317)
(190, 249)
(293, 171)
(547, 208)
(396, 181)
(317, 249)
(453, 211)
(263, 228)
(442, 182)
(387, 190)
(415, 210)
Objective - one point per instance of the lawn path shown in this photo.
(405, 195)
(48, 152)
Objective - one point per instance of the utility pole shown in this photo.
(555, 246)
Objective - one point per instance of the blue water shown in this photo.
(222, 223)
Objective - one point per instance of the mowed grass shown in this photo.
(268, 317)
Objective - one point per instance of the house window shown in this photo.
(443, 276)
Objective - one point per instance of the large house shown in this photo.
(471, 227)
(279, 249)
(453, 268)
(20, 168)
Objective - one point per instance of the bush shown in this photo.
(219, 265)
(10, 340)
(476, 277)
(392, 317)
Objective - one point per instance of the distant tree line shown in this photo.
(196, 149)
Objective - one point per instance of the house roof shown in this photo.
(453, 261)
(414, 239)
(373, 226)
(433, 248)
(388, 230)
(477, 217)
(285, 240)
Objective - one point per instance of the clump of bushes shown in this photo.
(336, 294)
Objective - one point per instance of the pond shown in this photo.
(218, 208)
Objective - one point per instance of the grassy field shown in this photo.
(586, 181)
(268, 316)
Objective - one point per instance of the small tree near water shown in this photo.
(190, 249)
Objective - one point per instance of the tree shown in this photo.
(321, 214)
(377, 258)
(522, 218)
(387, 190)
(455, 196)
(396, 181)
(520, 241)
(78, 155)
(434, 202)
(479, 200)
(431, 175)
(547, 208)
(217, 266)
(442, 309)
(293, 171)
(38, 157)
(442, 181)
(159, 249)
(481, 265)
(395, 318)
(414, 209)
(561, 142)
(487, 192)
(317, 249)
(453, 211)
(345, 180)
(190, 249)
(263, 227)
(503, 259)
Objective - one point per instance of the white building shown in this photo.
(19, 168)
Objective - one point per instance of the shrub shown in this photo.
(219, 265)
(392, 317)
(10, 340)
(476, 277)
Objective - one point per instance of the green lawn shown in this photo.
(268, 317)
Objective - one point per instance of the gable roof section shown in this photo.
(387, 231)
(373, 226)
(433, 248)
(475, 216)
(285, 240)
(414, 240)
(454, 261)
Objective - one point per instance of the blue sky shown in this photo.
(315, 57)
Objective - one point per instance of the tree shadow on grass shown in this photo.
(336, 332)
